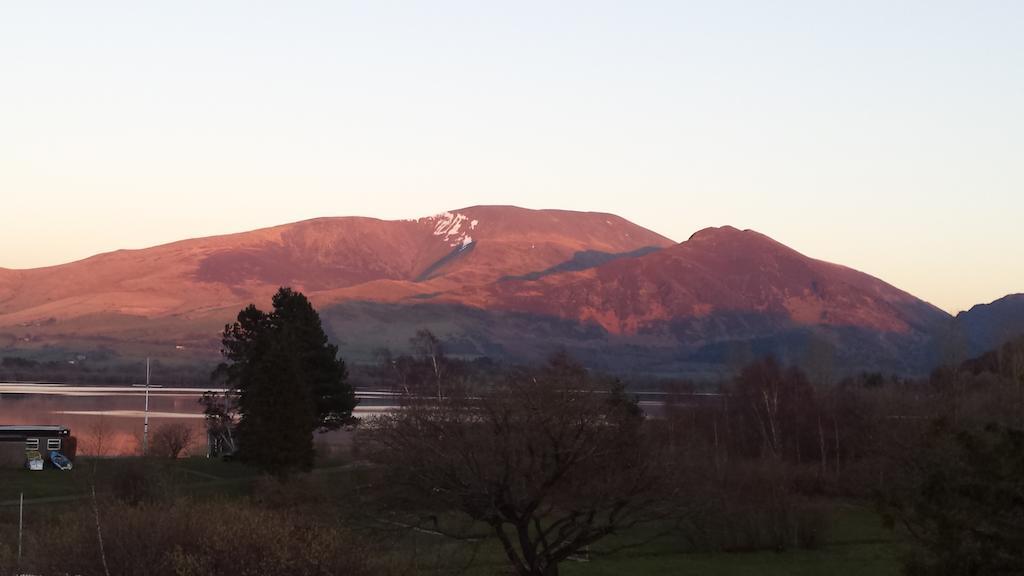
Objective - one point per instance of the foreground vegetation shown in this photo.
(195, 516)
(548, 470)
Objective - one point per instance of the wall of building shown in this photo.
(12, 454)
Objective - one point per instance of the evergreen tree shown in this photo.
(962, 500)
(289, 380)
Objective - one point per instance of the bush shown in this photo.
(301, 492)
(754, 507)
(8, 559)
(172, 440)
(197, 539)
(960, 498)
(141, 481)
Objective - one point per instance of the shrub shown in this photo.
(197, 539)
(7, 559)
(140, 481)
(754, 507)
(172, 440)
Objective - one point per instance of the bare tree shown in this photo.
(781, 408)
(98, 436)
(173, 439)
(428, 346)
(548, 461)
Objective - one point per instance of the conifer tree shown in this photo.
(289, 380)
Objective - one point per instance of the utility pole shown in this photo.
(145, 420)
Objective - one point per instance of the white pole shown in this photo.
(21, 518)
(145, 422)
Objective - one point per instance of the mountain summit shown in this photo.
(471, 245)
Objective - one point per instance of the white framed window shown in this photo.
(53, 443)
(32, 444)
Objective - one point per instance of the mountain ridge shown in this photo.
(319, 254)
(488, 280)
(987, 326)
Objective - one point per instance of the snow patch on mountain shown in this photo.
(449, 226)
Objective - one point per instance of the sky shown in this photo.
(883, 135)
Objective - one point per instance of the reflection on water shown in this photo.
(108, 421)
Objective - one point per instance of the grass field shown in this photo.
(860, 546)
(857, 543)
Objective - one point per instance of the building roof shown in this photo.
(21, 431)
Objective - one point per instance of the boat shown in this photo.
(33, 460)
(60, 461)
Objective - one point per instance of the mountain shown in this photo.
(721, 297)
(182, 292)
(717, 271)
(490, 280)
(8, 282)
(987, 326)
(473, 245)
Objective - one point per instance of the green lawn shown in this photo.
(51, 483)
(859, 545)
(833, 560)
(40, 484)
(195, 476)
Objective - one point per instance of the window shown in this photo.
(32, 444)
(53, 443)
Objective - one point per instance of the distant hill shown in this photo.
(987, 326)
(498, 281)
(1007, 360)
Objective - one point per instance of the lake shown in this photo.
(108, 420)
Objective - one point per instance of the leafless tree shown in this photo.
(173, 439)
(549, 461)
(780, 404)
(98, 436)
(428, 346)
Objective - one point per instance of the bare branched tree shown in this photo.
(98, 438)
(549, 461)
(779, 402)
(173, 439)
(428, 346)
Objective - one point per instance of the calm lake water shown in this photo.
(108, 420)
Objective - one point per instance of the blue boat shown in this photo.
(60, 461)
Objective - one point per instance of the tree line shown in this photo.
(552, 459)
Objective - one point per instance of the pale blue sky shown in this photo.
(887, 136)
